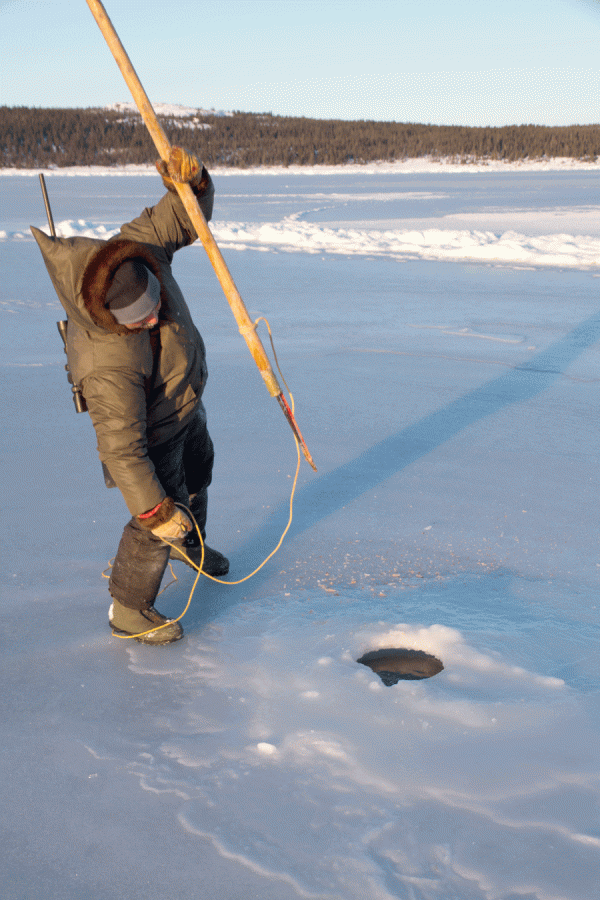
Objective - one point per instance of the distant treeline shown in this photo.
(36, 138)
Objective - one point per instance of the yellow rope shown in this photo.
(199, 571)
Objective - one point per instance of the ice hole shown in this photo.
(395, 665)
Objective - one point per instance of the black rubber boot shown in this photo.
(138, 568)
(214, 564)
(136, 622)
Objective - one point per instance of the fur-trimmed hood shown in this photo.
(82, 269)
(99, 274)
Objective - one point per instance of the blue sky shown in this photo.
(455, 62)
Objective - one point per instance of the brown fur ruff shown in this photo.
(99, 274)
(162, 514)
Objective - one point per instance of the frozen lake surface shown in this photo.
(440, 333)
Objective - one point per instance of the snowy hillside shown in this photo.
(168, 110)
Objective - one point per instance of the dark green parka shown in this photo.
(141, 387)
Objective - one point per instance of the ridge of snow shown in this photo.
(451, 244)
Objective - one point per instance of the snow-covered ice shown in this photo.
(440, 332)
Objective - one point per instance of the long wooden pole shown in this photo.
(245, 324)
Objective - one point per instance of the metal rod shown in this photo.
(47, 205)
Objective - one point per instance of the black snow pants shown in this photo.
(184, 468)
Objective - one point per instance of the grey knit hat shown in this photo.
(133, 294)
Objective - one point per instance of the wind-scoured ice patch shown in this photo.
(470, 333)
(327, 780)
(378, 197)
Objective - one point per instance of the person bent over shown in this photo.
(139, 361)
